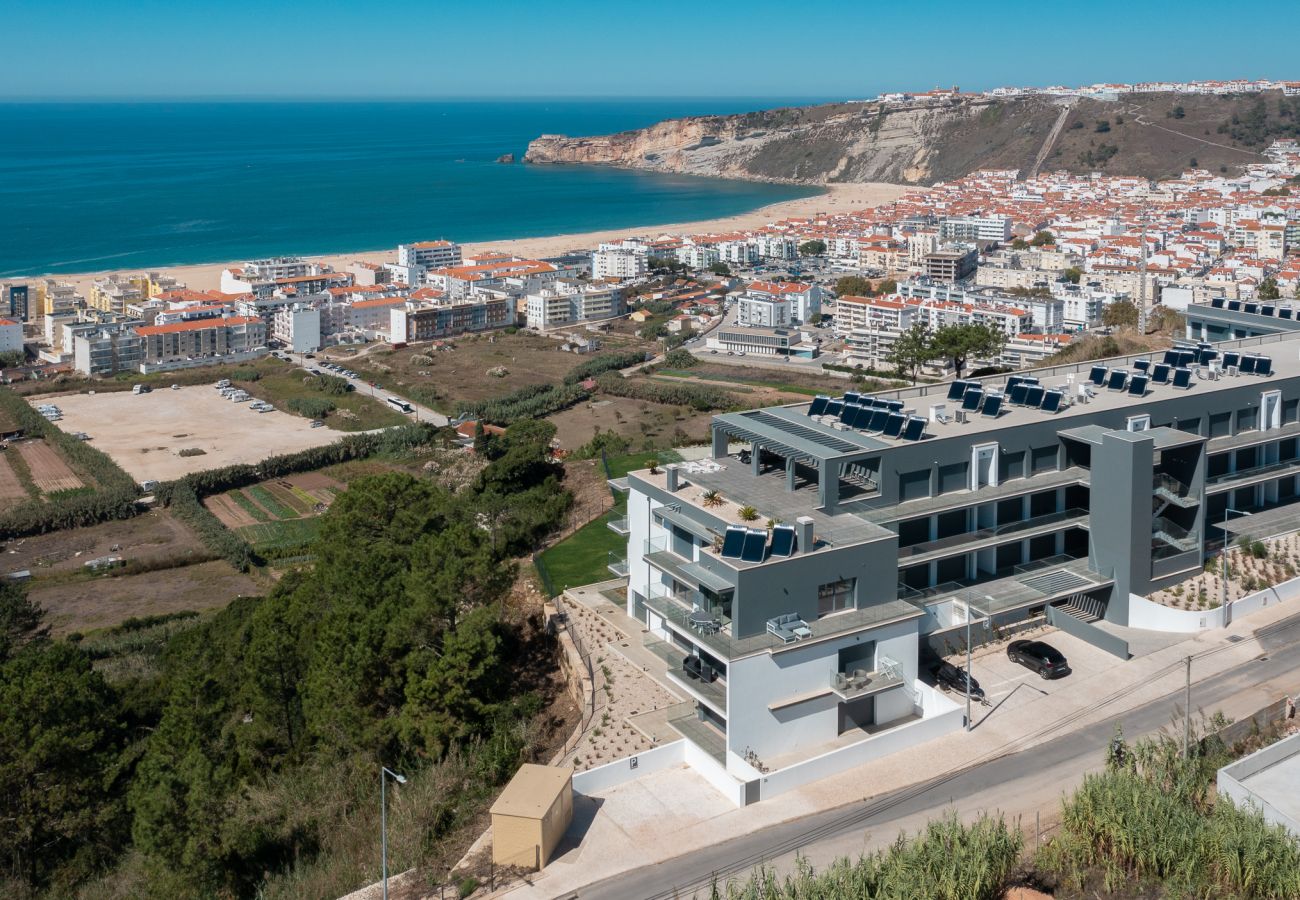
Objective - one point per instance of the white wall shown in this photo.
(1144, 613)
(621, 771)
(638, 523)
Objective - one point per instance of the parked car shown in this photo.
(316, 423)
(1043, 658)
(951, 678)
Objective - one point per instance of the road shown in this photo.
(1018, 782)
(360, 385)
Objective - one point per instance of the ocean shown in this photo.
(92, 186)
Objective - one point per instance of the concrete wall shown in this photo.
(757, 681)
(1230, 780)
(1119, 535)
(1148, 614)
(621, 771)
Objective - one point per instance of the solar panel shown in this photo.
(894, 405)
(1247, 365)
(1186, 357)
(878, 419)
(1117, 380)
(972, 400)
(1252, 307)
(1028, 379)
(848, 412)
(783, 540)
(1098, 375)
(732, 540)
(1142, 365)
(1017, 393)
(1231, 359)
(1171, 357)
(755, 547)
(862, 418)
(852, 397)
(992, 406)
(1267, 309)
(1138, 386)
(833, 408)
(1182, 378)
(818, 406)
(1207, 356)
(894, 425)
(1216, 302)
(1284, 312)
(1052, 401)
(914, 430)
(1013, 380)
(956, 390)
(1234, 305)
(1264, 365)
(1034, 395)
(1160, 374)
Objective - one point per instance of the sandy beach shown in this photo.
(837, 198)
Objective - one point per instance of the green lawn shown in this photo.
(621, 465)
(582, 557)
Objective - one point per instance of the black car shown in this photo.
(951, 678)
(1044, 659)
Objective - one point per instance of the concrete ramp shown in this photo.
(1087, 631)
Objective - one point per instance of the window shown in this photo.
(1270, 405)
(835, 596)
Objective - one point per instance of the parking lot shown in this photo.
(145, 433)
(1008, 685)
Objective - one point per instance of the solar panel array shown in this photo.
(1275, 310)
(751, 544)
(864, 413)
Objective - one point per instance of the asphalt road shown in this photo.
(1018, 782)
(361, 386)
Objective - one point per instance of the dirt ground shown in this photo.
(11, 489)
(307, 495)
(105, 601)
(49, 471)
(152, 535)
(144, 433)
(648, 426)
(461, 373)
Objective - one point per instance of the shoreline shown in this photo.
(833, 198)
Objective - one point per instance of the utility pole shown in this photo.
(968, 722)
(1187, 713)
(1142, 283)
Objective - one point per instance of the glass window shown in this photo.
(835, 596)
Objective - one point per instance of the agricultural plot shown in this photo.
(277, 515)
(50, 473)
(11, 487)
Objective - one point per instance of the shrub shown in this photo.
(530, 402)
(245, 373)
(331, 384)
(681, 359)
(748, 513)
(605, 362)
(192, 451)
(311, 407)
(701, 398)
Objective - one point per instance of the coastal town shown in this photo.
(754, 557)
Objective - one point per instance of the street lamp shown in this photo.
(384, 774)
(1224, 528)
(968, 639)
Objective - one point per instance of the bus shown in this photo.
(400, 405)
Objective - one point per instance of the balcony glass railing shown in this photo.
(1253, 471)
(957, 540)
(617, 563)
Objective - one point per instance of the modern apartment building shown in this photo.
(16, 302)
(430, 320)
(805, 299)
(763, 311)
(569, 302)
(975, 228)
(618, 263)
(895, 519)
(430, 254)
(105, 348)
(11, 336)
(200, 342)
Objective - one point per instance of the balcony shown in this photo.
(618, 526)
(1226, 481)
(982, 537)
(861, 683)
(617, 564)
(703, 735)
(700, 681)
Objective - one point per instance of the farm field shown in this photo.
(151, 536)
(277, 515)
(84, 605)
(50, 473)
(145, 433)
(11, 487)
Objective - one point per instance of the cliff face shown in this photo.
(837, 142)
(1152, 135)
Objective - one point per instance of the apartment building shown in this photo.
(297, 326)
(16, 302)
(950, 263)
(805, 299)
(105, 348)
(989, 229)
(56, 297)
(11, 336)
(200, 342)
(429, 254)
(763, 310)
(264, 278)
(567, 302)
(618, 263)
(114, 293)
(905, 515)
(427, 320)
(1046, 314)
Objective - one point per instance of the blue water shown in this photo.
(85, 187)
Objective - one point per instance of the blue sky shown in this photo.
(504, 48)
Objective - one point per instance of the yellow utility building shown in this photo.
(531, 816)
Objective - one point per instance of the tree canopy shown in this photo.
(814, 247)
(1120, 314)
(957, 343)
(912, 349)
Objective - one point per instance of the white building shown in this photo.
(567, 302)
(11, 336)
(975, 228)
(805, 299)
(429, 254)
(763, 311)
(297, 325)
(620, 264)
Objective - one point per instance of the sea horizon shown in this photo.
(106, 185)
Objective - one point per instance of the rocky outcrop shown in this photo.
(858, 142)
(820, 144)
